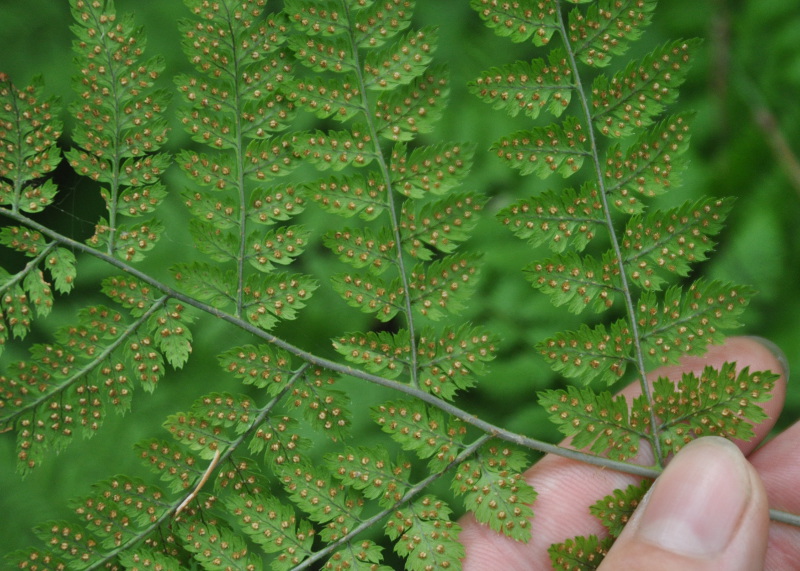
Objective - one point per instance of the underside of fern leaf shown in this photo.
(308, 133)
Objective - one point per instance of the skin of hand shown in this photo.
(707, 511)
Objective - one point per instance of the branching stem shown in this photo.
(630, 307)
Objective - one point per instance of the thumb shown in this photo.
(707, 511)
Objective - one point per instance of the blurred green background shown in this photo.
(746, 139)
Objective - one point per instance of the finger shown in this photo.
(567, 488)
(707, 511)
(778, 464)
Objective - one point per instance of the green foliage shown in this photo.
(312, 128)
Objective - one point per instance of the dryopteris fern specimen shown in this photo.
(247, 486)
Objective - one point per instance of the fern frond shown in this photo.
(565, 219)
(217, 547)
(371, 471)
(719, 402)
(29, 128)
(580, 553)
(686, 322)
(557, 148)
(591, 352)
(633, 97)
(670, 241)
(423, 430)
(607, 28)
(649, 167)
(426, 536)
(616, 509)
(520, 22)
(275, 528)
(597, 421)
(529, 87)
(495, 490)
(120, 126)
(578, 282)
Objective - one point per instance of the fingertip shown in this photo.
(706, 511)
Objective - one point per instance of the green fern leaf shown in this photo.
(687, 321)
(276, 296)
(36, 560)
(132, 294)
(118, 510)
(196, 432)
(720, 402)
(443, 286)
(175, 466)
(29, 129)
(607, 28)
(279, 438)
(361, 556)
(207, 282)
(172, 335)
(372, 472)
(216, 547)
(421, 429)
(382, 353)
(591, 353)
(669, 241)
(433, 169)
(145, 361)
(323, 54)
(409, 110)
(337, 149)
(128, 242)
(262, 366)
(649, 167)
(324, 407)
(120, 124)
(280, 246)
(597, 421)
(355, 194)
(452, 359)
(274, 527)
(370, 294)
(326, 502)
(495, 490)
(441, 224)
(362, 248)
(636, 95)
(425, 534)
(580, 553)
(578, 282)
(378, 22)
(545, 150)
(273, 204)
(400, 62)
(316, 17)
(70, 543)
(529, 87)
(14, 309)
(615, 510)
(327, 98)
(558, 219)
(520, 22)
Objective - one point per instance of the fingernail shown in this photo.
(695, 506)
(776, 351)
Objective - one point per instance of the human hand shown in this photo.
(707, 511)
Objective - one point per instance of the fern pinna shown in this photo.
(244, 484)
